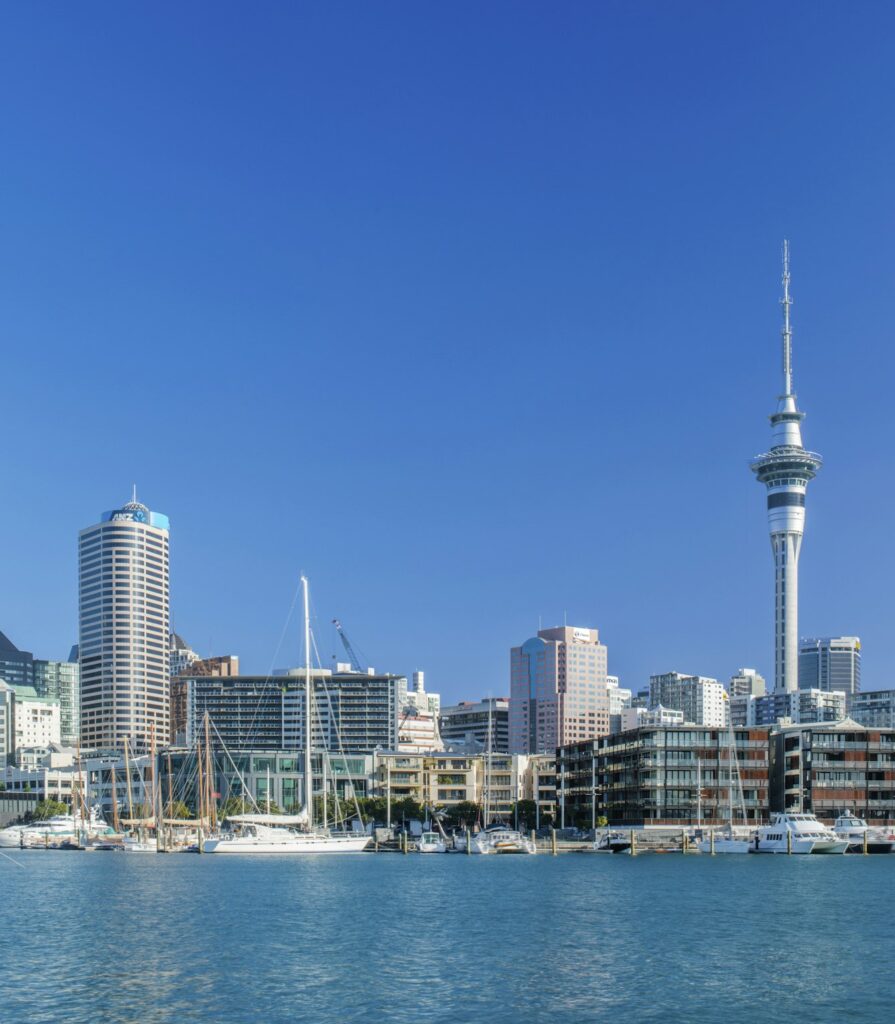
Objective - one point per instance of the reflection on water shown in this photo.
(116, 938)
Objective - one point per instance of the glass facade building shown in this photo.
(830, 663)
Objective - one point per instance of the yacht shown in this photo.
(498, 839)
(258, 833)
(431, 842)
(288, 834)
(727, 840)
(853, 830)
(796, 833)
(53, 831)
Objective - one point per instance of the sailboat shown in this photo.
(295, 833)
(730, 839)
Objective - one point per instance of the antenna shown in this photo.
(135, 494)
(786, 302)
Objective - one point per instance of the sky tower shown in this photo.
(785, 470)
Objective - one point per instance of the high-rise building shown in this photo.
(746, 683)
(558, 690)
(16, 667)
(354, 712)
(874, 709)
(124, 627)
(619, 701)
(702, 700)
(180, 655)
(830, 663)
(785, 470)
(419, 696)
(60, 681)
(466, 724)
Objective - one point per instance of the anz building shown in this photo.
(124, 625)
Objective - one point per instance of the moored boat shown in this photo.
(796, 833)
(857, 833)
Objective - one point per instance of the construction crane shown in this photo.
(349, 650)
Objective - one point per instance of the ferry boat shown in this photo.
(853, 830)
(796, 833)
(498, 839)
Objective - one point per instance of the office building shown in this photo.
(830, 663)
(619, 700)
(798, 706)
(124, 627)
(558, 690)
(16, 667)
(180, 655)
(701, 699)
(874, 709)
(466, 724)
(746, 683)
(60, 681)
(785, 470)
(36, 719)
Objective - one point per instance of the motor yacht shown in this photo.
(796, 833)
(854, 830)
(55, 830)
(431, 842)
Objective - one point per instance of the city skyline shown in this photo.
(419, 313)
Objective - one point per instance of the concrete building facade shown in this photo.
(701, 699)
(466, 724)
(124, 629)
(558, 691)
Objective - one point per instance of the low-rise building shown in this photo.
(673, 775)
(826, 768)
(638, 717)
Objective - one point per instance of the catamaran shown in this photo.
(288, 834)
(796, 833)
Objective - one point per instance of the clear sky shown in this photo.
(469, 311)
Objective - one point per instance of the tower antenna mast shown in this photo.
(786, 302)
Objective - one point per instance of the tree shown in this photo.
(44, 809)
(178, 810)
(463, 815)
(526, 813)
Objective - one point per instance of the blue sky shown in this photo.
(468, 311)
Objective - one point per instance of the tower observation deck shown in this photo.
(785, 470)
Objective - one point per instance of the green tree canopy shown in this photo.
(44, 809)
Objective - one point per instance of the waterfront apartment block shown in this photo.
(466, 725)
(701, 699)
(830, 663)
(674, 775)
(832, 767)
(558, 690)
(124, 624)
(873, 708)
(355, 712)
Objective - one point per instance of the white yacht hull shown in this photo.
(725, 846)
(294, 846)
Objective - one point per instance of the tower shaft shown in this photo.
(785, 470)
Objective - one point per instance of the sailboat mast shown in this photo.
(130, 792)
(309, 782)
(114, 788)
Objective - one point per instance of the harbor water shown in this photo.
(107, 937)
